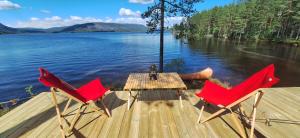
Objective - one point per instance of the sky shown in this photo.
(55, 13)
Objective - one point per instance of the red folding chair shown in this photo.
(86, 95)
(226, 99)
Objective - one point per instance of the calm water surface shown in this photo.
(80, 57)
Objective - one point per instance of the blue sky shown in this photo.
(53, 13)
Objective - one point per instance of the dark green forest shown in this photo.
(274, 20)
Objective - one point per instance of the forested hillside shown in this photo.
(247, 19)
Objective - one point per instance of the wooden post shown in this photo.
(58, 113)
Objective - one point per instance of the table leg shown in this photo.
(137, 96)
(128, 102)
(179, 92)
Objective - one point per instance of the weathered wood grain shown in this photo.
(138, 81)
(156, 114)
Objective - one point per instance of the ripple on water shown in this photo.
(81, 57)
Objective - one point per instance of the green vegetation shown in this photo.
(28, 90)
(7, 106)
(275, 20)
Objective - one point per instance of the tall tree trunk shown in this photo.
(298, 33)
(278, 32)
(161, 50)
(292, 34)
(219, 32)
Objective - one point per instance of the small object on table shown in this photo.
(153, 72)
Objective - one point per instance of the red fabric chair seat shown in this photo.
(90, 91)
(217, 95)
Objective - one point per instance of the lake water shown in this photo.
(80, 57)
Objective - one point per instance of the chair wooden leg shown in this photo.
(128, 102)
(200, 115)
(258, 97)
(58, 114)
(180, 98)
(238, 125)
(256, 101)
(105, 108)
(67, 106)
(253, 123)
(214, 115)
(75, 118)
(242, 110)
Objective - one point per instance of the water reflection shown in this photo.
(81, 57)
(245, 58)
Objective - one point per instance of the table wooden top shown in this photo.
(141, 81)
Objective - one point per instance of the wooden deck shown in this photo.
(158, 114)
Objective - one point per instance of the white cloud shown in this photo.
(131, 20)
(45, 11)
(141, 1)
(75, 18)
(170, 21)
(7, 5)
(108, 20)
(53, 18)
(129, 13)
(55, 21)
(34, 19)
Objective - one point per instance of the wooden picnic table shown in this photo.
(141, 81)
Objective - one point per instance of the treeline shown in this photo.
(246, 19)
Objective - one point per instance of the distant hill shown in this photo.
(7, 30)
(87, 27)
(105, 27)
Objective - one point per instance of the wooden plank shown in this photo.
(157, 114)
(144, 122)
(191, 114)
(155, 126)
(109, 101)
(29, 119)
(15, 116)
(167, 114)
(116, 110)
(167, 129)
(281, 111)
(181, 128)
(117, 123)
(125, 125)
(135, 120)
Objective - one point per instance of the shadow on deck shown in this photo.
(155, 114)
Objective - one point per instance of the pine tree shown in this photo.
(156, 15)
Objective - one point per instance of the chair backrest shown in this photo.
(50, 80)
(262, 79)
